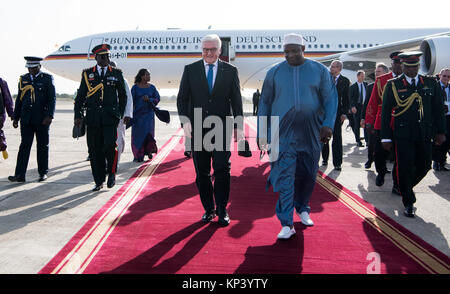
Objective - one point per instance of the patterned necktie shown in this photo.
(210, 77)
(413, 82)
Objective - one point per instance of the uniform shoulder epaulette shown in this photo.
(397, 78)
(88, 69)
(429, 77)
(117, 69)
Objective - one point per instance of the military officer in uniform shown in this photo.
(34, 108)
(102, 91)
(412, 115)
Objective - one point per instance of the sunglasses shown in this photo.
(445, 76)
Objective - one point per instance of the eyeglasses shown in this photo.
(212, 50)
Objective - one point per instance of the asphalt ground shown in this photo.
(38, 219)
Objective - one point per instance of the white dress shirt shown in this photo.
(100, 70)
(447, 92)
(216, 64)
(409, 80)
(32, 78)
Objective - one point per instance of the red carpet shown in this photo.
(152, 225)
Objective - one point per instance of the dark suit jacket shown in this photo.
(342, 86)
(109, 110)
(224, 101)
(34, 112)
(366, 102)
(354, 94)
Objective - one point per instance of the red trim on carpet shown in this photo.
(159, 229)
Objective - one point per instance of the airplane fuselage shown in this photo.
(165, 53)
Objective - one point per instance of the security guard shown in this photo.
(102, 91)
(413, 114)
(35, 107)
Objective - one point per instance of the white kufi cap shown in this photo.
(293, 39)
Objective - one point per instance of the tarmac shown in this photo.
(38, 218)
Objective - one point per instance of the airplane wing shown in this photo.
(382, 51)
(366, 58)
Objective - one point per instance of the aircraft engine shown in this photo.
(436, 55)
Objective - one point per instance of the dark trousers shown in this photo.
(413, 164)
(371, 140)
(381, 154)
(357, 123)
(440, 152)
(381, 157)
(336, 145)
(255, 109)
(27, 133)
(102, 151)
(220, 191)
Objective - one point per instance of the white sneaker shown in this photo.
(286, 233)
(306, 220)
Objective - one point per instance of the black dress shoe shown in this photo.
(360, 144)
(97, 188)
(396, 191)
(111, 180)
(368, 164)
(338, 168)
(224, 220)
(208, 216)
(43, 177)
(187, 154)
(379, 181)
(410, 211)
(16, 179)
(324, 163)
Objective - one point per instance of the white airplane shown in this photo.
(165, 53)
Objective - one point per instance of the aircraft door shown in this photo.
(94, 42)
(228, 54)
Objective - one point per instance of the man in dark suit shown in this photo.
(102, 91)
(440, 152)
(210, 88)
(342, 85)
(358, 93)
(256, 97)
(35, 107)
(412, 115)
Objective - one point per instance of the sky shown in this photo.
(38, 28)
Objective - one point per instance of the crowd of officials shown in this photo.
(404, 117)
(105, 106)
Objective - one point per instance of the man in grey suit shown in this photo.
(210, 88)
(357, 96)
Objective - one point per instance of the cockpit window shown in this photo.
(65, 48)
